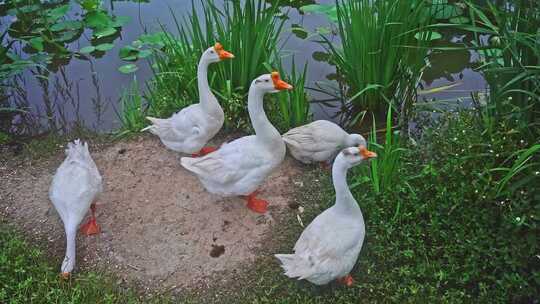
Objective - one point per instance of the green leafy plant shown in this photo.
(132, 114)
(384, 171)
(294, 104)
(523, 163)
(44, 30)
(249, 29)
(174, 82)
(379, 57)
(511, 61)
(141, 48)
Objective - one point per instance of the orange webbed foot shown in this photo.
(91, 227)
(204, 151)
(346, 280)
(256, 204)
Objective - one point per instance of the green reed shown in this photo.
(379, 54)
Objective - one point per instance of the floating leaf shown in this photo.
(155, 39)
(105, 47)
(66, 25)
(144, 53)
(330, 10)
(137, 43)
(97, 20)
(428, 36)
(87, 49)
(59, 11)
(128, 53)
(299, 31)
(317, 8)
(67, 36)
(37, 43)
(90, 5)
(323, 30)
(321, 56)
(120, 21)
(105, 32)
(128, 68)
(24, 9)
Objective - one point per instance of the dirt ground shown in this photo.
(160, 228)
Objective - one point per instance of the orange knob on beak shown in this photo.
(280, 84)
(222, 53)
(366, 153)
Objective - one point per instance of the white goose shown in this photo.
(190, 129)
(74, 188)
(239, 167)
(329, 246)
(320, 141)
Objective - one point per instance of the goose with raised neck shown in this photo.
(266, 133)
(207, 99)
(238, 168)
(188, 130)
(343, 221)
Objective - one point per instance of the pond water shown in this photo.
(86, 92)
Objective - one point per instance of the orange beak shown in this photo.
(64, 275)
(366, 153)
(280, 84)
(222, 53)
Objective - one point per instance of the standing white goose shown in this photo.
(330, 244)
(239, 167)
(74, 188)
(188, 130)
(320, 141)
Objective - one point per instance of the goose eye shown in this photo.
(212, 52)
(267, 80)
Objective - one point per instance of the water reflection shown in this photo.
(83, 91)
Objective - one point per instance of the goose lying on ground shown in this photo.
(320, 141)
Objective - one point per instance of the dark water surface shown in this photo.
(87, 92)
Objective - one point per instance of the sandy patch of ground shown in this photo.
(160, 228)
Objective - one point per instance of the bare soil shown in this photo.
(160, 228)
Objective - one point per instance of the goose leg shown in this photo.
(204, 151)
(91, 227)
(256, 204)
(346, 280)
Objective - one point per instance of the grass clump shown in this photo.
(379, 57)
(132, 115)
(511, 61)
(294, 105)
(26, 276)
(440, 234)
(249, 29)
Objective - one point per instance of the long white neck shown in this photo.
(345, 201)
(69, 259)
(264, 130)
(207, 99)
